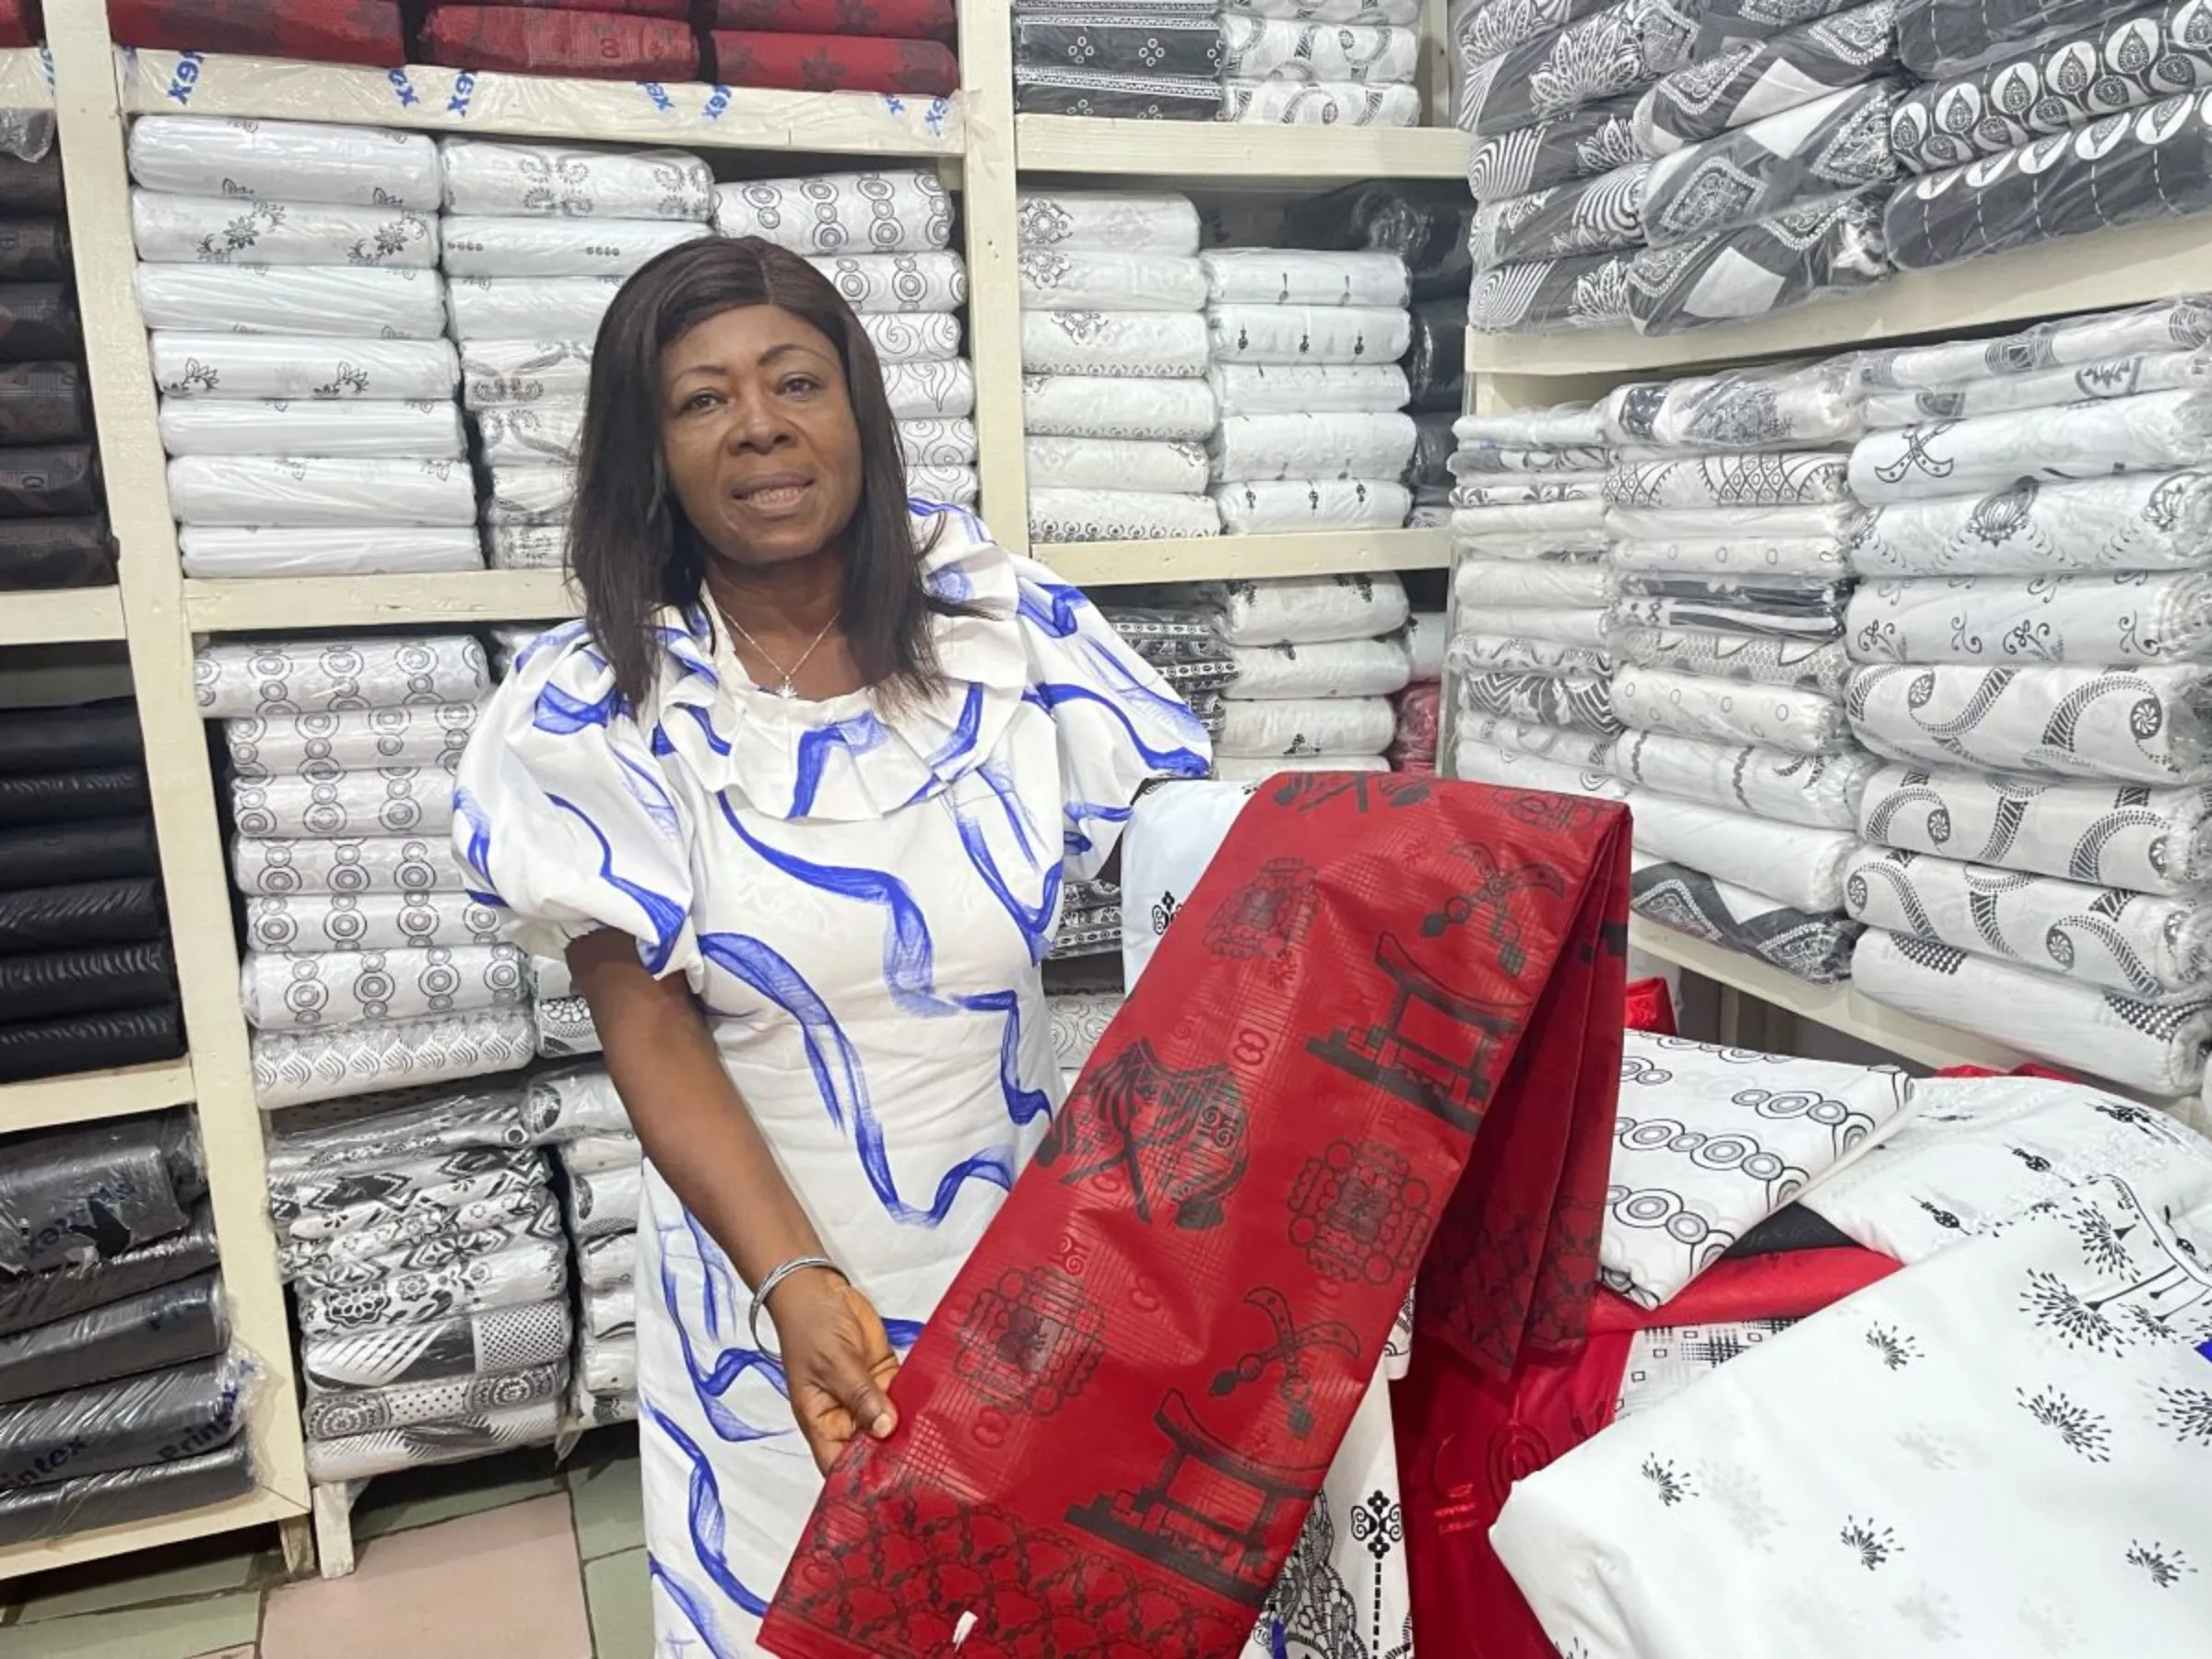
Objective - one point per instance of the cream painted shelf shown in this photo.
(461, 598)
(1195, 151)
(1231, 557)
(251, 1509)
(58, 616)
(83, 1097)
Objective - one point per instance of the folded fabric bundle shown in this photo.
(1483, 28)
(598, 1154)
(1816, 791)
(1578, 627)
(1436, 358)
(1258, 49)
(1297, 610)
(1800, 865)
(1488, 490)
(2145, 725)
(1308, 388)
(391, 301)
(831, 213)
(1758, 78)
(242, 427)
(2154, 431)
(1586, 215)
(512, 308)
(2135, 522)
(341, 1414)
(120, 911)
(300, 677)
(1624, 48)
(1042, 91)
(1054, 280)
(1291, 726)
(834, 62)
(897, 282)
(1936, 41)
(1785, 599)
(2115, 377)
(388, 864)
(1106, 221)
(95, 1041)
(43, 403)
(1566, 701)
(47, 553)
(1116, 464)
(189, 1483)
(1580, 144)
(1721, 613)
(1827, 557)
(1833, 147)
(454, 1438)
(1541, 582)
(1801, 253)
(531, 493)
(1078, 1020)
(313, 492)
(1335, 668)
(946, 486)
(1096, 516)
(369, 32)
(608, 1365)
(2180, 325)
(491, 245)
(1398, 14)
(1689, 705)
(292, 1068)
(931, 390)
(222, 230)
(550, 180)
(295, 991)
(568, 1105)
(1420, 721)
(285, 161)
(487, 1343)
(524, 41)
(1811, 407)
(171, 1324)
(1300, 276)
(1627, 521)
(1556, 519)
(87, 980)
(344, 550)
(2138, 943)
(1074, 406)
(2158, 1047)
(1550, 296)
(912, 339)
(96, 849)
(37, 483)
(939, 442)
(55, 1293)
(71, 736)
(33, 186)
(2085, 620)
(1312, 446)
(515, 1278)
(1121, 41)
(1260, 507)
(1322, 103)
(909, 19)
(1524, 654)
(543, 433)
(196, 364)
(44, 799)
(1730, 481)
(565, 1028)
(389, 801)
(2148, 840)
(1729, 22)
(1160, 344)
(1567, 425)
(71, 1196)
(606, 1204)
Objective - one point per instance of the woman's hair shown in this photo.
(632, 547)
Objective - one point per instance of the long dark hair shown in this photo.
(632, 547)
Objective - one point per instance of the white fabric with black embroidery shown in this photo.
(332, 369)
(895, 283)
(565, 1028)
(501, 374)
(1312, 446)
(311, 922)
(1522, 653)
(1259, 507)
(293, 1068)
(2115, 377)
(1301, 276)
(325, 745)
(1084, 405)
(1306, 725)
(346, 866)
(1159, 345)
(548, 433)
(319, 989)
(559, 181)
(378, 301)
(2135, 522)
(1308, 388)
(835, 213)
(2048, 1370)
(2083, 619)
(1052, 280)
(1119, 464)
(1079, 1020)
(2180, 325)
(314, 676)
(291, 160)
(392, 800)
(2144, 725)
(570, 1105)
(2155, 431)
(1758, 479)
(225, 230)
(1725, 555)
(1096, 515)
(455, 1440)
(208, 426)
(1299, 610)
(1322, 103)
(494, 245)
(1766, 660)
(312, 492)
(931, 390)
(1339, 668)
(1261, 48)
(1299, 334)
(1811, 407)
(938, 440)
(1107, 221)
(1712, 1141)
(1689, 705)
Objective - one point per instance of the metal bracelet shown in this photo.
(796, 1266)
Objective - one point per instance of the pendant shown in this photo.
(788, 691)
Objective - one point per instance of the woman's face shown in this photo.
(758, 427)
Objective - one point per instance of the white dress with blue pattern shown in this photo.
(860, 899)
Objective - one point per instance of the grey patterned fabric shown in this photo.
(1579, 145)
(1595, 215)
(1815, 947)
(1833, 147)
(1756, 78)
(1622, 49)
(1799, 254)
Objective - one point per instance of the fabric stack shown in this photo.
(888, 46)
(578, 1113)
(1339, 63)
(602, 39)
(1175, 631)
(538, 239)
(120, 1399)
(2047, 119)
(562, 1019)
(369, 32)
(1155, 60)
(53, 531)
(1299, 333)
(87, 980)
(1115, 405)
(288, 273)
(2035, 619)
(1318, 660)
(885, 239)
(1420, 705)
(368, 965)
(429, 1273)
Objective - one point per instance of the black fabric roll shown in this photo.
(1790, 1228)
(48, 984)
(43, 403)
(127, 1495)
(1436, 362)
(53, 1048)
(1939, 38)
(37, 1299)
(1423, 223)
(74, 737)
(1433, 444)
(1042, 91)
(31, 187)
(81, 913)
(126, 1424)
(69, 798)
(50, 481)
(56, 553)
(1119, 41)
(102, 850)
(34, 249)
(69, 1194)
(38, 320)
(1799, 254)
(171, 1325)
(1580, 145)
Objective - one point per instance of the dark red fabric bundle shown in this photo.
(1649, 1007)
(629, 8)
(20, 23)
(324, 31)
(603, 45)
(826, 63)
(1383, 1035)
(889, 20)
(1464, 1437)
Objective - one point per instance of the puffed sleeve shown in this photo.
(563, 817)
(1120, 727)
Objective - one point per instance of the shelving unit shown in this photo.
(61, 616)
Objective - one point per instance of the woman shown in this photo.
(794, 800)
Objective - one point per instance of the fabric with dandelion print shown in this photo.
(2011, 1443)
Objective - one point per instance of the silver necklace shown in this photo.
(783, 688)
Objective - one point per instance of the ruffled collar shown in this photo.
(847, 759)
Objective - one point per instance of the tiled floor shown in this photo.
(510, 1559)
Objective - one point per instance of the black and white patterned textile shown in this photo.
(2146, 164)
(1107, 221)
(1726, 712)
(1095, 515)
(2136, 521)
(1940, 38)
(488, 1344)
(1264, 508)
(1116, 464)
(323, 988)
(2119, 65)
(1664, 1359)
(1582, 627)
(1111, 281)
(1622, 49)
(1588, 216)
(1308, 388)
(1800, 865)
(1269, 49)
(1778, 596)
(1322, 103)
(1336, 668)
(1398, 14)
(1756, 78)
(1087, 405)
(1812, 407)
(491, 245)
(452, 1439)
(1552, 296)
(1296, 610)
(565, 1028)
(559, 181)
(1760, 660)
(1290, 727)
(1815, 948)
(1723, 615)
(498, 375)
(1483, 28)
(1559, 426)
(1365, 277)
(2179, 324)
(2085, 620)
(390, 302)
(1482, 457)
(929, 391)
(1486, 492)
(403, 1129)
(1571, 705)
(314, 676)
(209, 425)
(1507, 582)
(2141, 725)
(1751, 554)
(191, 366)
(423, 1239)
(2139, 943)
(1728, 22)
(1799, 254)
(568, 1105)
(1834, 146)
(293, 1068)
(339, 1414)
(2148, 841)
(2158, 1047)
(1130, 41)
(937, 441)
(1579, 145)
(2156, 432)
(1040, 91)
(1522, 653)
(897, 283)
(1293, 335)
(1724, 481)
(1312, 446)
(285, 161)
(517, 1277)
(383, 865)
(390, 800)
(2114, 377)
(323, 745)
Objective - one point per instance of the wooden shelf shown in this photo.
(56, 616)
(1230, 558)
(690, 113)
(44, 1555)
(2108, 268)
(244, 604)
(85, 1097)
(1238, 150)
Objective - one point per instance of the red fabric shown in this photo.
(891, 20)
(324, 31)
(629, 8)
(1465, 1438)
(1381, 1034)
(2030, 1070)
(1651, 1007)
(20, 23)
(826, 63)
(1420, 710)
(597, 44)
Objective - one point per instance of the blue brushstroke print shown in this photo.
(707, 1528)
(711, 1383)
(663, 914)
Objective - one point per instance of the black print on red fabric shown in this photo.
(1434, 1048)
(1556, 812)
(1290, 1344)
(1268, 915)
(1558, 1311)
(1359, 1214)
(1490, 899)
(1454, 1285)
(1175, 1138)
(1309, 792)
(1031, 1341)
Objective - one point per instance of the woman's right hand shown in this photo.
(837, 1362)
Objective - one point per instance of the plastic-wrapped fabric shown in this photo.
(70, 737)
(1314, 388)
(1322, 103)
(170, 1324)
(531, 493)
(385, 1132)
(341, 865)
(1258, 49)
(1490, 582)
(1802, 867)
(56, 1293)
(2136, 724)
(242, 426)
(1939, 38)
(1552, 296)
(494, 245)
(545, 180)
(605, 45)
(510, 308)
(1483, 28)
(526, 547)
(1094, 221)
(320, 493)
(1622, 49)
(914, 339)
(1351, 278)
(948, 485)
(190, 365)
(1288, 726)
(1338, 668)
(1472, 653)
(603, 1204)
(1425, 224)
(251, 551)
(85, 980)
(1262, 508)
(608, 1365)
(261, 231)
(600, 1154)
(1053, 281)
(1834, 146)
(2139, 522)
(939, 442)
(1073, 406)
(498, 375)
(2146, 164)
(929, 391)
(897, 282)
(1826, 557)
(43, 403)
(1088, 515)
(374, 301)
(2113, 378)
(2166, 325)
(1686, 705)
(72, 1196)
(96, 849)
(1799, 254)
(293, 1068)
(2118, 64)
(1042, 91)
(602, 1263)
(489, 1344)
(285, 161)
(1739, 409)
(321, 989)
(1311, 446)
(369, 32)
(2081, 619)
(50, 553)
(127, 1495)
(1818, 792)
(37, 321)
(1567, 425)
(343, 1413)
(835, 63)
(32, 186)
(392, 800)
(125, 1424)
(1399, 14)
(1815, 947)
(78, 914)
(1570, 520)
(57, 480)
(908, 19)
(235, 679)
(1135, 41)
(1112, 463)
(517, 1277)
(1300, 610)
(1299, 335)
(1587, 216)
(1565, 702)
(34, 249)
(564, 1106)
(1579, 145)
(80, 1042)
(1782, 600)
(454, 1438)
(1758, 78)
(542, 433)
(2152, 431)
(48, 798)
(896, 212)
